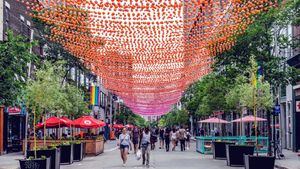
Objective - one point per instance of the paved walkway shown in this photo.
(160, 159)
(291, 161)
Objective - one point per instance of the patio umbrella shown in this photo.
(249, 119)
(118, 126)
(129, 126)
(55, 122)
(214, 120)
(88, 122)
(67, 121)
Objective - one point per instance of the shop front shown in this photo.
(296, 121)
(13, 133)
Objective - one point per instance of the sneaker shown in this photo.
(124, 165)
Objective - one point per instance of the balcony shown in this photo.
(294, 61)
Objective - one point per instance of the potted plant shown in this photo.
(219, 149)
(259, 162)
(52, 152)
(77, 151)
(235, 154)
(66, 152)
(35, 163)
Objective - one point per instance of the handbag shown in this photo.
(138, 155)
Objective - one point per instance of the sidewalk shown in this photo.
(10, 161)
(291, 161)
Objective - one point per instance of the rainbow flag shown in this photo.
(95, 95)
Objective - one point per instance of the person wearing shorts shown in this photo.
(124, 143)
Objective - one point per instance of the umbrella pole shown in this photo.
(44, 130)
(255, 120)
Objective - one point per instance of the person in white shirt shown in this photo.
(174, 138)
(144, 144)
(124, 143)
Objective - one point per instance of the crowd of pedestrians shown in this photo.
(143, 140)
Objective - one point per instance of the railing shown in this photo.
(204, 143)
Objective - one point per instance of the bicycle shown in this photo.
(278, 150)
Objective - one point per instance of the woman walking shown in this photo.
(174, 138)
(124, 143)
(144, 144)
(135, 138)
(188, 139)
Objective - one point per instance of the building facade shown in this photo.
(289, 120)
(13, 16)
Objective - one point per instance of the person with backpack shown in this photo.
(124, 143)
(144, 145)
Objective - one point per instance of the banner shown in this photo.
(94, 95)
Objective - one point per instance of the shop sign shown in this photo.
(218, 113)
(298, 106)
(13, 110)
(276, 110)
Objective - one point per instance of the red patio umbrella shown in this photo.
(129, 126)
(118, 126)
(55, 122)
(88, 122)
(214, 120)
(248, 119)
(67, 121)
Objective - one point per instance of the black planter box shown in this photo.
(77, 152)
(235, 154)
(66, 154)
(259, 162)
(219, 149)
(35, 163)
(54, 155)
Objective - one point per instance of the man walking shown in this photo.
(144, 144)
(182, 137)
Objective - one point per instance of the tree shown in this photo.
(175, 117)
(14, 57)
(77, 106)
(261, 39)
(206, 95)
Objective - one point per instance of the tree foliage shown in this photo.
(175, 117)
(126, 116)
(224, 87)
(47, 93)
(14, 57)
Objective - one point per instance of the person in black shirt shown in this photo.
(161, 138)
(167, 138)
